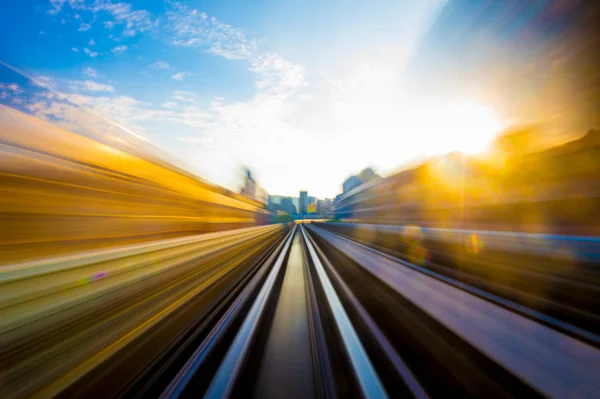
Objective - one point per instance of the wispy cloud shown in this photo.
(109, 14)
(170, 105)
(84, 27)
(91, 72)
(89, 85)
(184, 96)
(89, 52)
(75, 49)
(193, 28)
(91, 42)
(119, 49)
(181, 75)
(134, 21)
(93, 116)
(44, 81)
(276, 75)
(14, 87)
(55, 6)
(160, 65)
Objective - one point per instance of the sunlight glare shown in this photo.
(467, 127)
(473, 127)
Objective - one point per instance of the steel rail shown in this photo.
(364, 371)
(547, 360)
(224, 380)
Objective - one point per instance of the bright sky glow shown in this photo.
(301, 92)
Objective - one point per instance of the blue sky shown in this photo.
(304, 93)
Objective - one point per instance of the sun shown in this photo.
(472, 127)
(466, 127)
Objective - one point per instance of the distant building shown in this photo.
(327, 207)
(279, 203)
(323, 206)
(249, 188)
(351, 183)
(275, 199)
(274, 203)
(303, 202)
(354, 181)
(287, 205)
(261, 195)
(366, 174)
(252, 190)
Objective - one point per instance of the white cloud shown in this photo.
(160, 65)
(134, 21)
(91, 42)
(184, 96)
(93, 116)
(90, 85)
(91, 72)
(75, 49)
(14, 87)
(56, 6)
(44, 81)
(193, 28)
(125, 110)
(170, 105)
(109, 13)
(89, 52)
(180, 75)
(84, 27)
(277, 75)
(119, 49)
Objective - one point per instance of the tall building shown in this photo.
(282, 204)
(252, 189)
(350, 183)
(287, 205)
(356, 180)
(366, 174)
(275, 199)
(261, 195)
(249, 188)
(324, 206)
(303, 202)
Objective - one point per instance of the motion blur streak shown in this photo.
(64, 192)
(71, 294)
(553, 191)
(137, 287)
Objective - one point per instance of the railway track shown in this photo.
(315, 314)
(330, 318)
